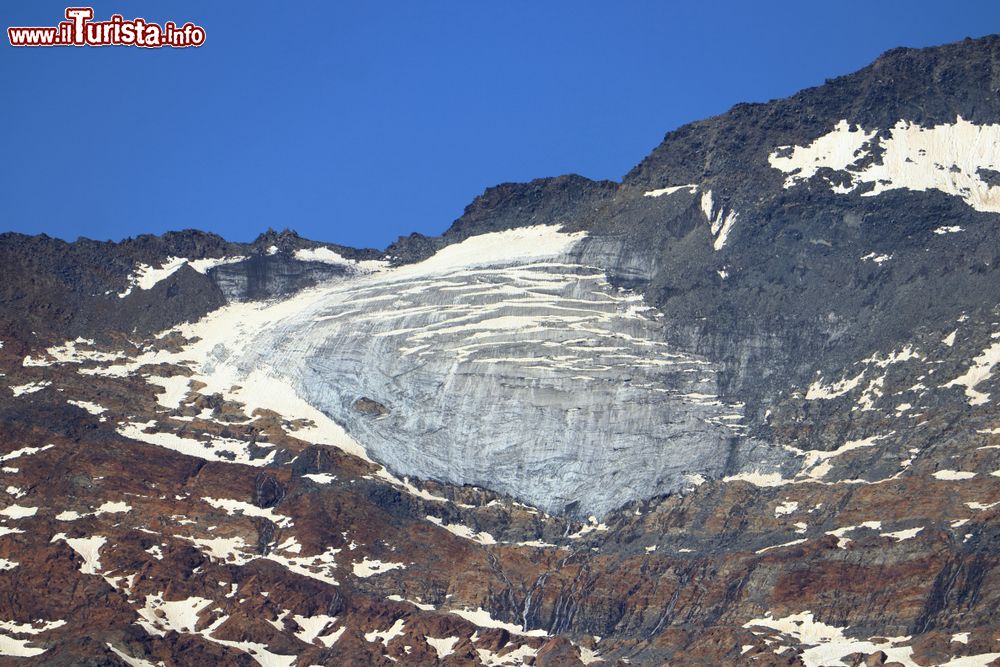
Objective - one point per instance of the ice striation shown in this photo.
(506, 361)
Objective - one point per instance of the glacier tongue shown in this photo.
(503, 362)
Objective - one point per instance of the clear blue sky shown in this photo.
(356, 122)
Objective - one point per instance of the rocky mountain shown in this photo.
(739, 408)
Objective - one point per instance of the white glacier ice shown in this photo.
(506, 360)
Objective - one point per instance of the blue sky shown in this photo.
(359, 122)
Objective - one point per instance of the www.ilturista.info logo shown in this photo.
(80, 30)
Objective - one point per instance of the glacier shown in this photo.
(506, 361)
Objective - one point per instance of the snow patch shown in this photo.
(71, 353)
(946, 157)
(232, 507)
(20, 648)
(671, 189)
(89, 548)
(779, 546)
(30, 388)
(591, 526)
(720, 222)
(953, 475)
(516, 657)
(312, 628)
(757, 478)
(117, 507)
(982, 506)
(225, 549)
(18, 511)
(875, 257)
(836, 150)
(816, 463)
(483, 619)
(463, 531)
(981, 370)
(130, 661)
(216, 449)
(589, 656)
(537, 544)
(92, 408)
(175, 388)
(496, 248)
(178, 615)
(443, 647)
(369, 567)
(320, 477)
(386, 636)
(330, 256)
(786, 507)
(418, 605)
(146, 277)
(827, 643)
(901, 535)
(839, 533)
(818, 391)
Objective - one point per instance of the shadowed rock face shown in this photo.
(267, 276)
